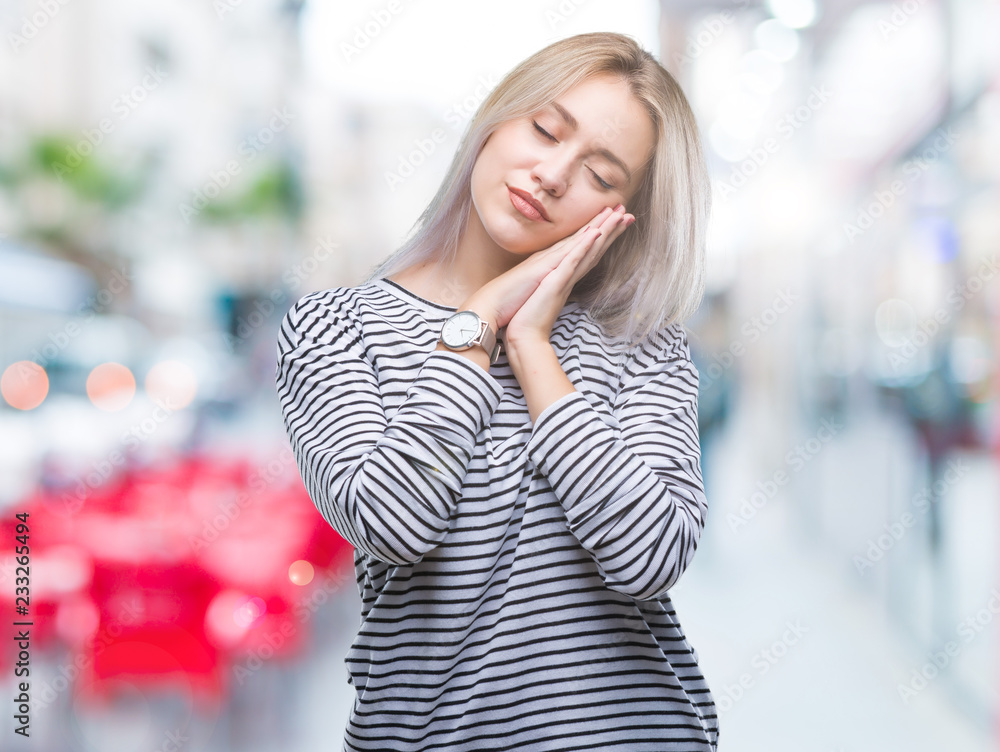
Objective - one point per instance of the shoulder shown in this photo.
(665, 351)
(669, 343)
(663, 354)
(322, 316)
(669, 340)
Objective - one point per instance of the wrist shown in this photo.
(483, 308)
(525, 340)
(527, 349)
(482, 348)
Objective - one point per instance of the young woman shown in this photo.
(519, 512)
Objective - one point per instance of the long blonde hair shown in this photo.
(654, 274)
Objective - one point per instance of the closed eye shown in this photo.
(543, 131)
(603, 183)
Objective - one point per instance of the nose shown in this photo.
(552, 172)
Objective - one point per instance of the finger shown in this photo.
(589, 258)
(576, 244)
(609, 223)
(584, 255)
(626, 221)
(567, 270)
(615, 217)
(589, 237)
(561, 247)
(597, 222)
(570, 241)
(601, 243)
(602, 215)
(610, 229)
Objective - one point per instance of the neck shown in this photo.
(478, 259)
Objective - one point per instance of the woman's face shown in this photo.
(586, 150)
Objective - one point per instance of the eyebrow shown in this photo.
(607, 154)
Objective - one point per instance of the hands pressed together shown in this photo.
(527, 299)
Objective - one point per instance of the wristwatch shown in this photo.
(466, 329)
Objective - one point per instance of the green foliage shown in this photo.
(275, 191)
(89, 178)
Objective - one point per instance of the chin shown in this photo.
(521, 247)
(519, 242)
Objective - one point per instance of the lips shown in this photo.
(527, 205)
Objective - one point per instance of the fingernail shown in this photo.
(619, 207)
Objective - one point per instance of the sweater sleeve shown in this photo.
(632, 492)
(387, 485)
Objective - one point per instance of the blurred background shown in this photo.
(173, 176)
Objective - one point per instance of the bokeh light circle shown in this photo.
(301, 572)
(249, 610)
(895, 322)
(221, 627)
(111, 387)
(173, 383)
(24, 385)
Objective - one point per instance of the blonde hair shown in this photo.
(652, 275)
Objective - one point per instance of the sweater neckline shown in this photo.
(397, 290)
(401, 292)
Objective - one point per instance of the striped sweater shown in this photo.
(514, 577)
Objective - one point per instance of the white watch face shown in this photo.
(459, 330)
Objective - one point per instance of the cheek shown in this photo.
(487, 172)
(585, 209)
(479, 181)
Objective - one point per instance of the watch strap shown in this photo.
(488, 340)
